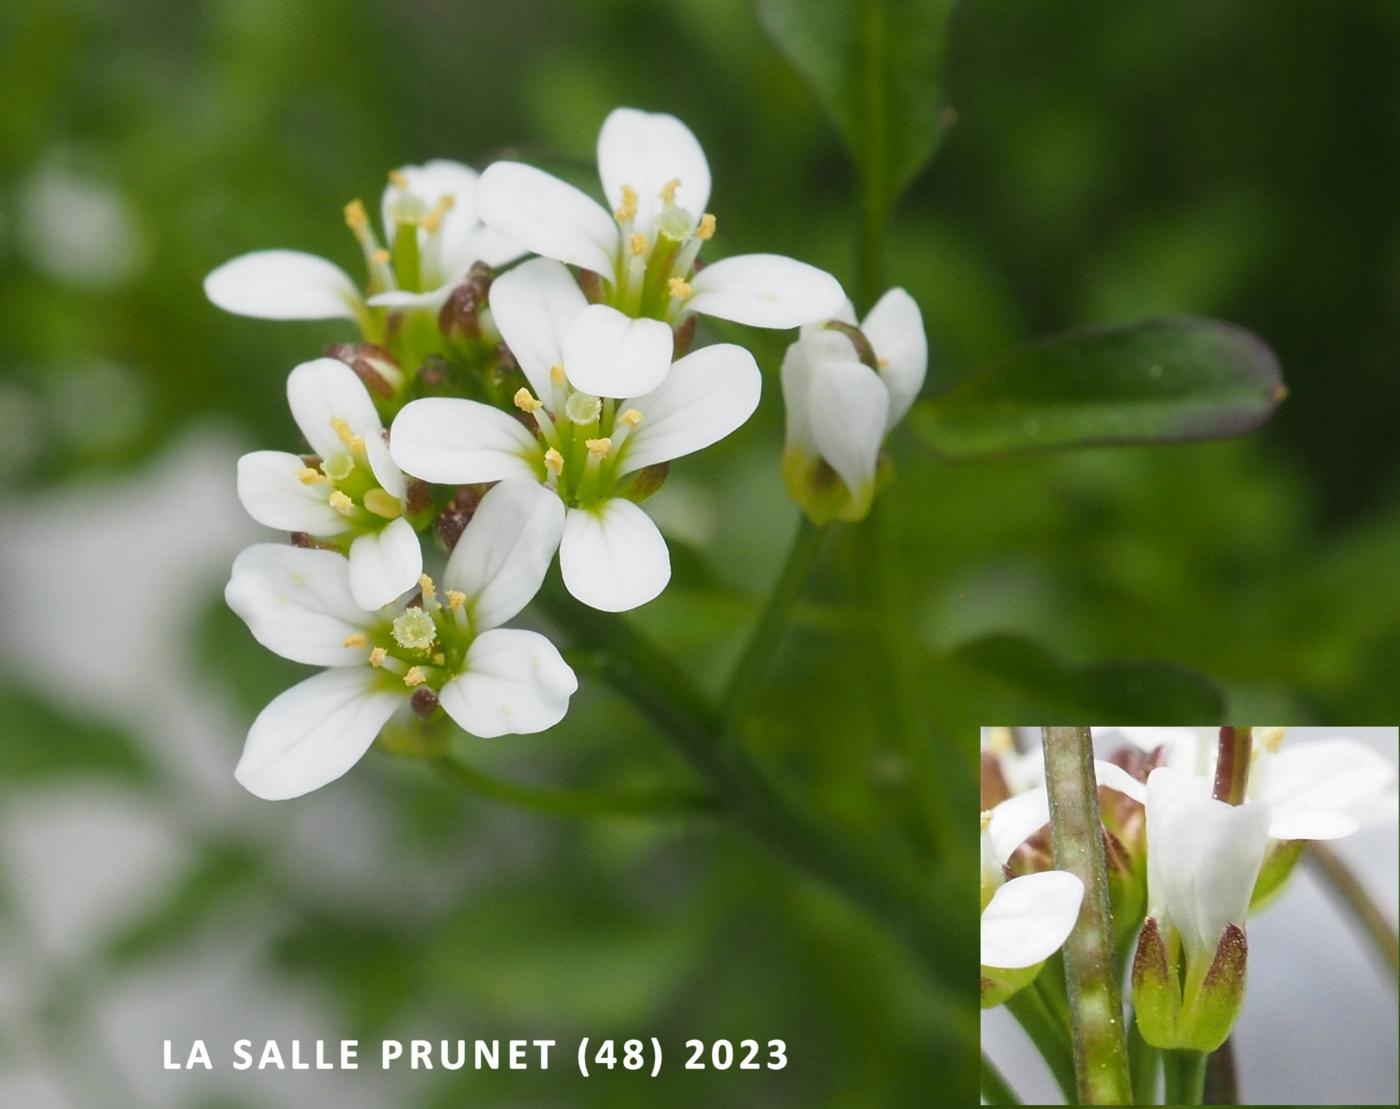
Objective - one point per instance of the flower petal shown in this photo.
(1029, 918)
(431, 301)
(283, 285)
(707, 395)
(323, 391)
(533, 306)
(274, 496)
(547, 216)
(447, 440)
(503, 554)
(297, 603)
(1328, 774)
(515, 683)
(381, 464)
(765, 290)
(384, 564)
(423, 186)
(1112, 776)
(895, 328)
(612, 355)
(1017, 819)
(1303, 822)
(314, 732)
(1232, 842)
(648, 150)
(612, 556)
(846, 405)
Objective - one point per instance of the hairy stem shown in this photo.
(1184, 1075)
(995, 1089)
(1232, 765)
(1095, 1006)
(1347, 888)
(1048, 1035)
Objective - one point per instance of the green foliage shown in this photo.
(1167, 380)
(41, 742)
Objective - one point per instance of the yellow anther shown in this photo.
(1001, 740)
(883, 363)
(986, 818)
(556, 374)
(598, 448)
(398, 178)
(433, 220)
(380, 257)
(632, 418)
(628, 209)
(355, 216)
(356, 639)
(554, 462)
(383, 503)
(526, 400)
(706, 230)
(679, 287)
(425, 583)
(346, 436)
(341, 503)
(377, 657)
(455, 599)
(637, 244)
(1270, 738)
(415, 676)
(307, 476)
(440, 659)
(668, 190)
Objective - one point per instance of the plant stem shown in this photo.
(757, 656)
(1142, 1066)
(1048, 1035)
(1184, 1077)
(1347, 888)
(1232, 765)
(995, 1089)
(1222, 1086)
(1095, 1007)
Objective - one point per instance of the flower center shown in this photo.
(425, 644)
(656, 260)
(351, 487)
(582, 451)
(412, 261)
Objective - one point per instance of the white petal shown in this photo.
(503, 554)
(533, 306)
(381, 464)
(765, 290)
(613, 557)
(847, 403)
(447, 440)
(270, 490)
(314, 732)
(297, 603)
(1113, 776)
(547, 216)
(283, 285)
(648, 150)
(612, 355)
(895, 328)
(515, 683)
(326, 390)
(431, 301)
(384, 564)
(1232, 842)
(1029, 918)
(429, 183)
(1302, 822)
(1015, 820)
(1329, 774)
(1173, 800)
(800, 362)
(707, 395)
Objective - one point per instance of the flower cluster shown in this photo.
(496, 410)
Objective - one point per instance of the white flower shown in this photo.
(587, 445)
(656, 182)
(352, 494)
(450, 651)
(432, 237)
(839, 408)
(1028, 919)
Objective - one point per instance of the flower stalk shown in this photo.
(1232, 766)
(1096, 1010)
(1184, 1072)
(1348, 888)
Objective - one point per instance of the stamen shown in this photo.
(355, 216)
(415, 676)
(526, 400)
(883, 363)
(433, 220)
(556, 374)
(398, 177)
(425, 584)
(455, 599)
(440, 659)
(307, 476)
(356, 639)
(346, 436)
(1270, 738)
(637, 244)
(706, 230)
(554, 462)
(383, 503)
(598, 448)
(341, 503)
(628, 210)
(679, 287)
(986, 818)
(668, 191)
(632, 418)
(414, 629)
(377, 656)
(583, 408)
(380, 257)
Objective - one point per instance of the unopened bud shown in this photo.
(864, 351)
(461, 313)
(423, 702)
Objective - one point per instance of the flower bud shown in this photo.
(460, 316)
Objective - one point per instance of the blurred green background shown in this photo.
(1109, 162)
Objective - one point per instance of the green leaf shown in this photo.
(39, 740)
(1159, 381)
(877, 68)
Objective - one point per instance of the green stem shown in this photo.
(576, 803)
(1095, 1005)
(1222, 1085)
(1142, 1066)
(1184, 1077)
(873, 167)
(1048, 1035)
(995, 1089)
(1347, 888)
(757, 656)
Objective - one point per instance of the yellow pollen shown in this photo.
(455, 599)
(632, 418)
(380, 257)
(637, 244)
(341, 503)
(440, 658)
(668, 191)
(356, 639)
(986, 818)
(1001, 740)
(398, 178)
(883, 363)
(415, 676)
(307, 476)
(345, 435)
(679, 287)
(377, 657)
(706, 230)
(1270, 738)
(425, 583)
(598, 448)
(433, 220)
(383, 503)
(355, 217)
(526, 401)
(628, 210)
(554, 462)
